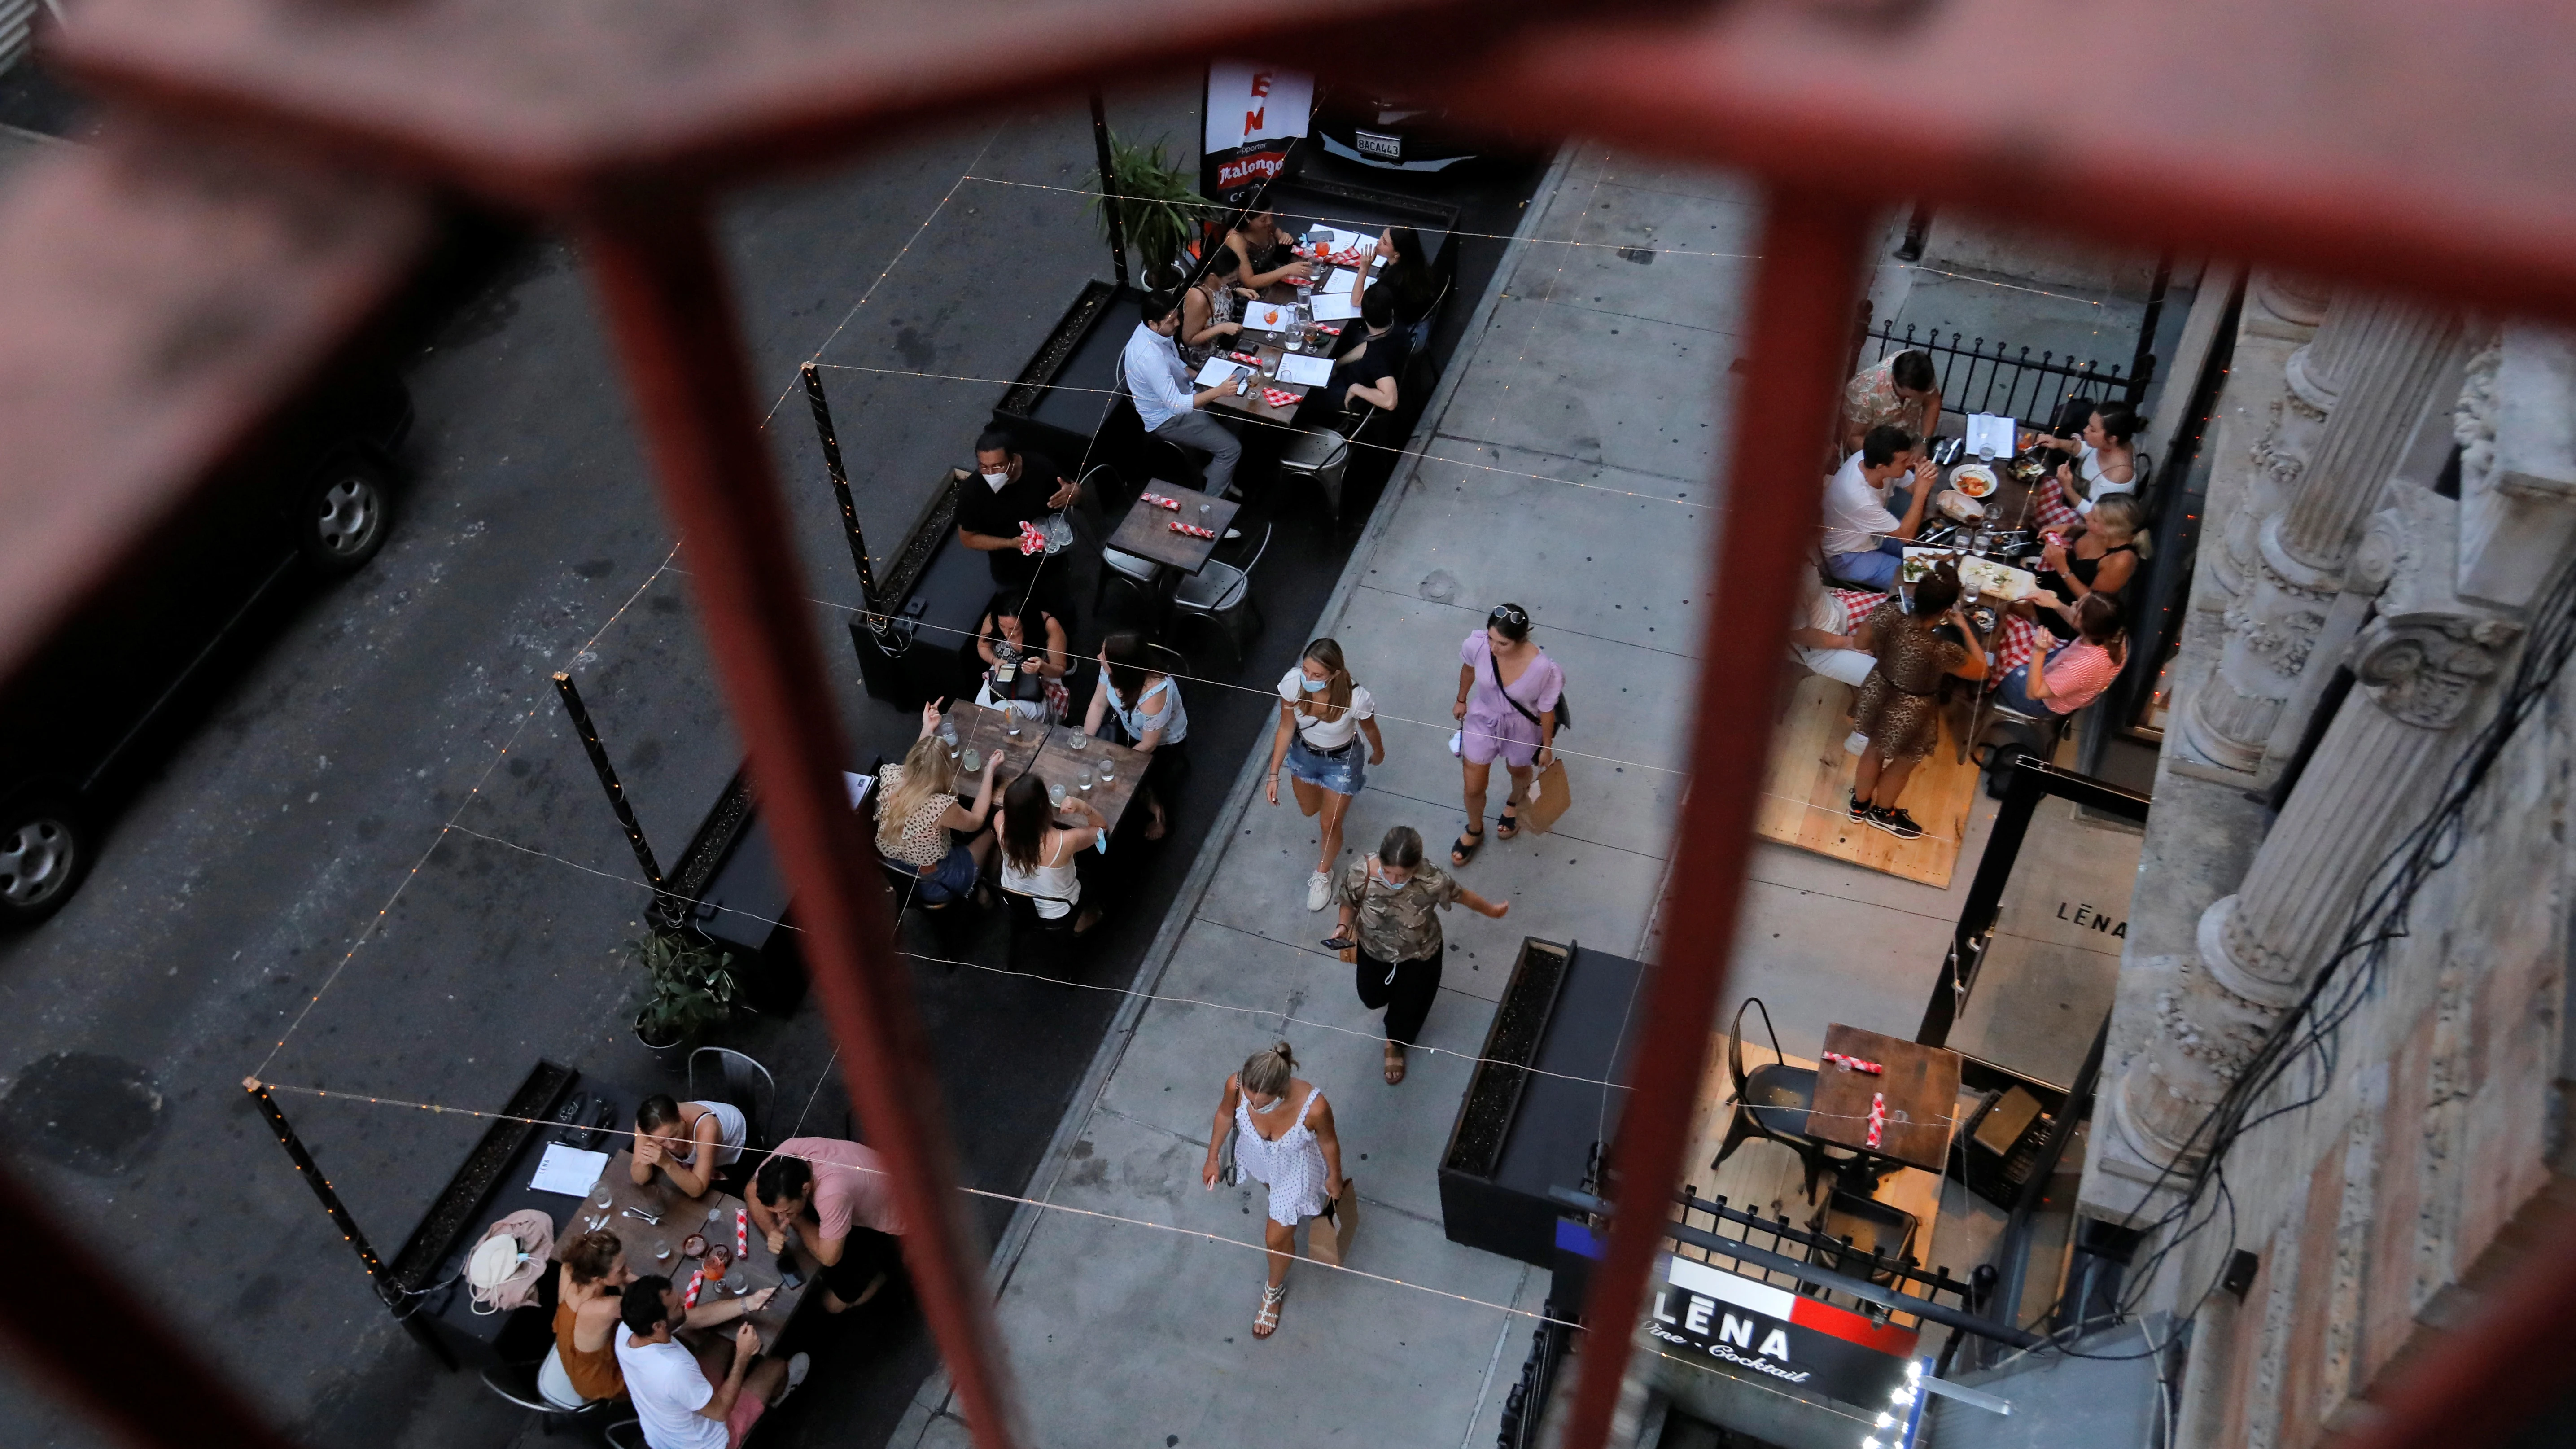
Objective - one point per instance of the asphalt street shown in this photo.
(375, 860)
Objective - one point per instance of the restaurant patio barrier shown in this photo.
(1982, 377)
(268, 186)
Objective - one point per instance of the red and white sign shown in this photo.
(1253, 113)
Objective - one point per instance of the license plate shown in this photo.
(1385, 148)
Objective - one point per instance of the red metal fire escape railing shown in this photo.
(271, 176)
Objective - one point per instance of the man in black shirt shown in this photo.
(1011, 489)
(1366, 373)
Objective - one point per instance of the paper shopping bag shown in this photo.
(1328, 1236)
(1548, 799)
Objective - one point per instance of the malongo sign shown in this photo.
(1751, 1328)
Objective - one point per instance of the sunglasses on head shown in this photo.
(1510, 614)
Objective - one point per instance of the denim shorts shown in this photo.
(949, 880)
(1343, 774)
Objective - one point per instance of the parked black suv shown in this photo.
(315, 499)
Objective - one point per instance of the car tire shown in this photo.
(343, 517)
(44, 851)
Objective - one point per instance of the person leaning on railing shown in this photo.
(1899, 392)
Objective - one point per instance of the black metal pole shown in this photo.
(841, 488)
(616, 792)
(1109, 189)
(386, 1288)
(2013, 1253)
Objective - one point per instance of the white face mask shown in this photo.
(1312, 685)
(995, 481)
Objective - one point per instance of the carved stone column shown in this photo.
(2385, 360)
(2285, 304)
(2419, 666)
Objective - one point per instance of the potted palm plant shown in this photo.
(690, 991)
(1155, 203)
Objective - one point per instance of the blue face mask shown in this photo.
(1312, 685)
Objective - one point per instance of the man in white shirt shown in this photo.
(1160, 383)
(685, 1400)
(1864, 541)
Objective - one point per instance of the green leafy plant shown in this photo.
(1155, 202)
(691, 988)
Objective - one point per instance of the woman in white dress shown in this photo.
(1283, 1131)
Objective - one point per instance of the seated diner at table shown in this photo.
(1038, 855)
(1266, 252)
(1820, 637)
(1411, 283)
(1011, 493)
(706, 1398)
(1146, 703)
(1897, 713)
(1212, 307)
(2096, 556)
(825, 1204)
(2071, 675)
(917, 808)
(1023, 671)
(688, 1142)
(1864, 541)
(1159, 383)
(1366, 373)
(590, 1274)
(1896, 392)
(2103, 457)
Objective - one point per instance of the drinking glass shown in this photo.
(1108, 772)
(1010, 722)
(1055, 794)
(1084, 780)
(1081, 738)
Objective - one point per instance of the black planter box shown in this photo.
(933, 595)
(739, 901)
(1569, 1014)
(1067, 392)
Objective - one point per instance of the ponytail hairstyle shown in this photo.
(2120, 421)
(1337, 688)
(1936, 591)
(1025, 818)
(2100, 619)
(592, 1256)
(1269, 1071)
(657, 1112)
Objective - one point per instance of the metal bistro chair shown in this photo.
(525, 1386)
(1874, 1238)
(1324, 455)
(721, 1074)
(1040, 946)
(1159, 456)
(1772, 1101)
(949, 921)
(1221, 595)
(1141, 575)
(626, 1434)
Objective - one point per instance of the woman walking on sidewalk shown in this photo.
(1321, 716)
(1508, 691)
(1387, 900)
(1283, 1138)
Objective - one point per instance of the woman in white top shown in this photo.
(1283, 1137)
(1038, 854)
(688, 1140)
(1147, 705)
(2106, 458)
(1322, 714)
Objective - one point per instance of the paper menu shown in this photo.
(1299, 370)
(568, 1170)
(1339, 283)
(1991, 435)
(1219, 371)
(1334, 306)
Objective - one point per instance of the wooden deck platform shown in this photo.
(1806, 795)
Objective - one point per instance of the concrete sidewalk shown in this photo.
(1567, 466)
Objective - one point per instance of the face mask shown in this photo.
(996, 480)
(1312, 685)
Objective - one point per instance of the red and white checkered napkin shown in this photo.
(690, 1299)
(1329, 329)
(1250, 358)
(1280, 398)
(1159, 501)
(1192, 529)
(1877, 1116)
(1853, 1064)
(2049, 502)
(741, 1233)
(2015, 643)
(1032, 538)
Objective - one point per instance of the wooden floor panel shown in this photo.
(1806, 797)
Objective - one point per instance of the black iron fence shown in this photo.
(1526, 1403)
(1982, 377)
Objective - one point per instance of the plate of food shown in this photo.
(1975, 479)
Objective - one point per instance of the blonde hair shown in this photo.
(928, 772)
(1337, 692)
(1269, 1071)
(2119, 513)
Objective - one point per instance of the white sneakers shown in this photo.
(797, 1368)
(1319, 891)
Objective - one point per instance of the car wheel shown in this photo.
(345, 515)
(43, 855)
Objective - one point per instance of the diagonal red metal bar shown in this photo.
(2497, 1372)
(93, 1334)
(1801, 325)
(657, 271)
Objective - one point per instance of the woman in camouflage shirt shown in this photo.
(1387, 902)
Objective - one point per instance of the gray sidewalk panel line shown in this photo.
(1185, 904)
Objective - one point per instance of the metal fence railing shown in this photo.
(1982, 377)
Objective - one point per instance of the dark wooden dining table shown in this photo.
(1918, 1084)
(658, 1247)
(1146, 530)
(1049, 750)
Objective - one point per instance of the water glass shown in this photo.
(1010, 722)
(1055, 794)
(1081, 738)
(1108, 772)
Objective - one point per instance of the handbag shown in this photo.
(1228, 1171)
(1328, 1236)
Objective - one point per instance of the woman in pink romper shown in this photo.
(1507, 694)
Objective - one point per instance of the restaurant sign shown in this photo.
(1254, 113)
(1755, 1330)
